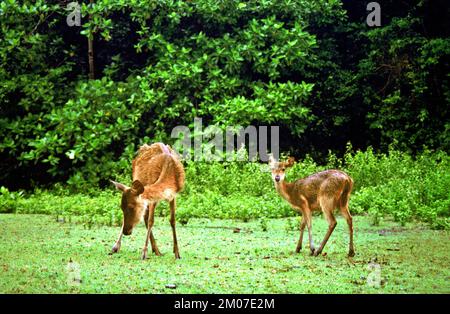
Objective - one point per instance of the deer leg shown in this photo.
(308, 217)
(327, 210)
(345, 212)
(150, 221)
(152, 238)
(116, 246)
(174, 232)
(302, 228)
(154, 246)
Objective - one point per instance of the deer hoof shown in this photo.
(115, 249)
(317, 253)
(144, 255)
(351, 253)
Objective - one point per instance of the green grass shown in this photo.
(35, 251)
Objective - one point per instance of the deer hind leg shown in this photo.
(149, 224)
(152, 238)
(346, 213)
(302, 228)
(327, 208)
(174, 232)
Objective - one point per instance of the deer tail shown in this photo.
(345, 196)
(165, 149)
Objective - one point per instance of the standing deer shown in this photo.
(157, 175)
(323, 191)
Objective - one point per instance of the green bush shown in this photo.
(395, 184)
(9, 200)
(386, 185)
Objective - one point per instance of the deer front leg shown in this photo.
(300, 240)
(152, 238)
(150, 222)
(154, 246)
(116, 246)
(174, 232)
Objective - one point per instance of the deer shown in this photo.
(157, 175)
(323, 191)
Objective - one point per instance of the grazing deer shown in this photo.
(324, 191)
(157, 175)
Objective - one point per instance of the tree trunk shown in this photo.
(91, 52)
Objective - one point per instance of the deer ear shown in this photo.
(137, 187)
(290, 162)
(119, 186)
(272, 160)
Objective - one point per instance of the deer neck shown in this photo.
(285, 189)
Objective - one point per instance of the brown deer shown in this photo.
(323, 191)
(157, 175)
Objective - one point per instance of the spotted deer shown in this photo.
(158, 175)
(323, 191)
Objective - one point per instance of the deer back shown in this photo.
(330, 184)
(158, 168)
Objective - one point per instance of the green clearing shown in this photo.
(35, 251)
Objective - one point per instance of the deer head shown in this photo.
(278, 168)
(133, 206)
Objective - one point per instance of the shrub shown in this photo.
(8, 200)
(394, 185)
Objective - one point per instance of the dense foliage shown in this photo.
(313, 67)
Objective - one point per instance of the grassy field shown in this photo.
(40, 255)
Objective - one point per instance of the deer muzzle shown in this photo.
(127, 232)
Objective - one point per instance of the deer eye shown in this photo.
(282, 169)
